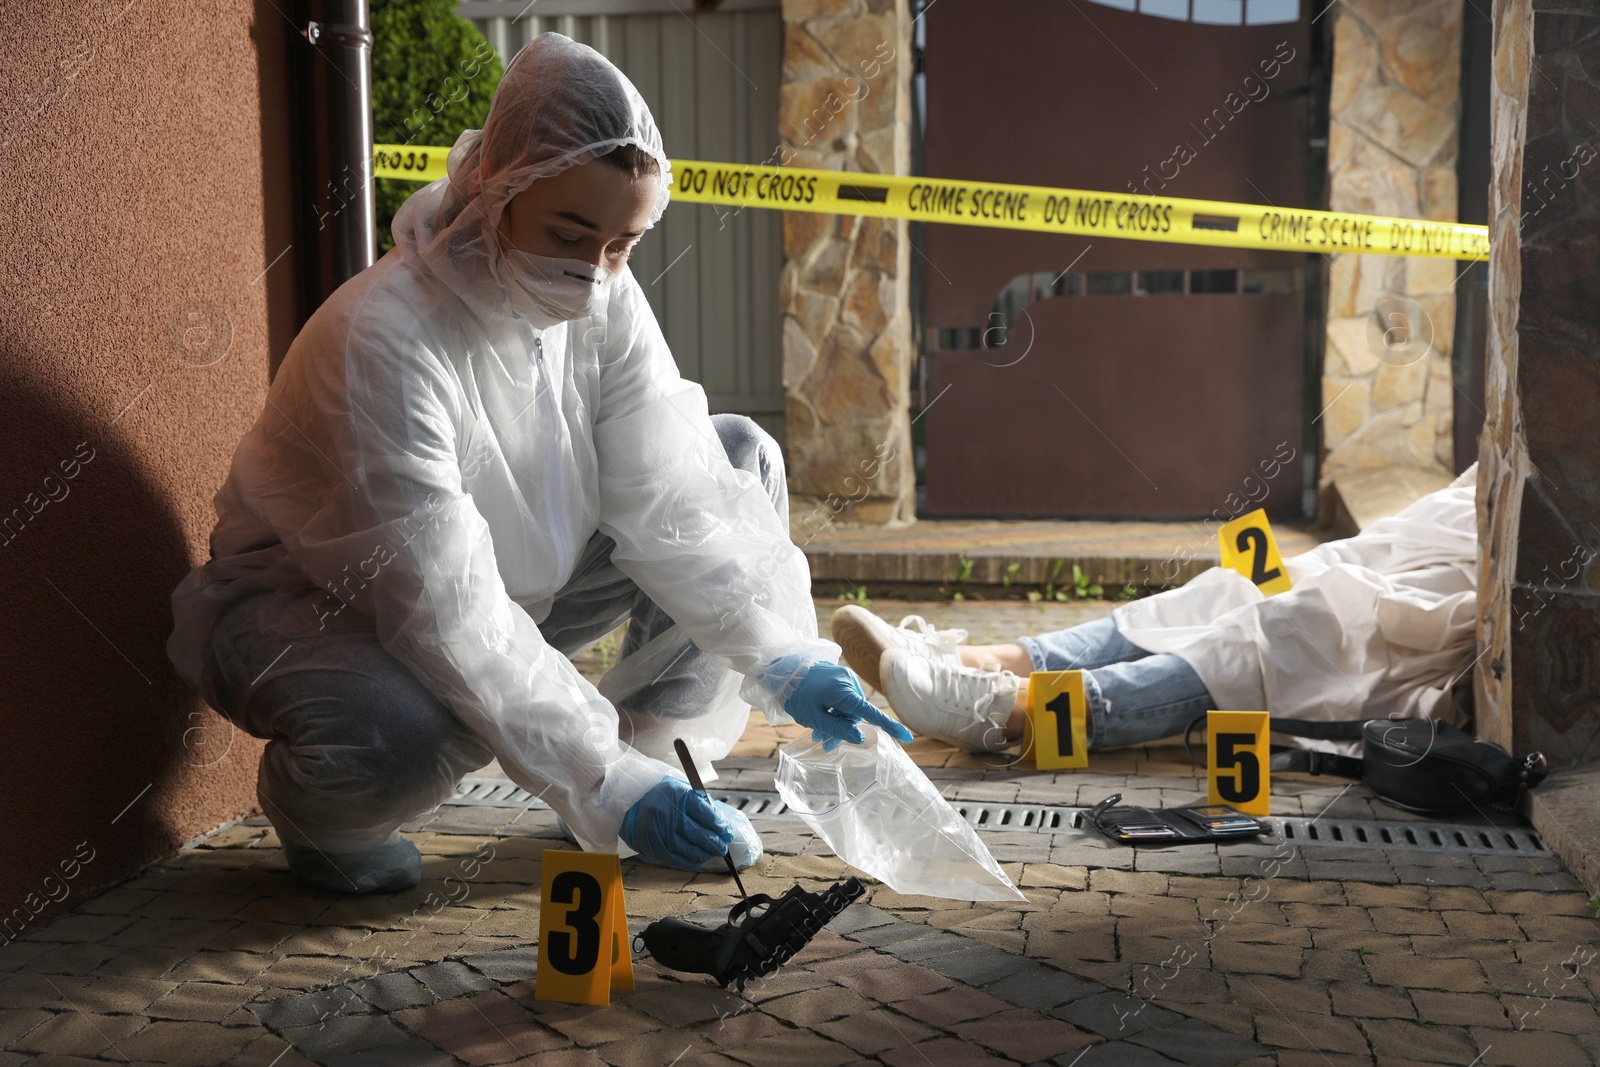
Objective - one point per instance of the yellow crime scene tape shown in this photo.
(1029, 207)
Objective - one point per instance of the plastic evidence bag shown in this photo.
(881, 815)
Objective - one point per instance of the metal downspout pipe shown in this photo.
(332, 55)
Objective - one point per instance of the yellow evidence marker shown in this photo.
(1057, 730)
(1249, 548)
(1239, 760)
(583, 928)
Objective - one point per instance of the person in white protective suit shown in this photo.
(477, 458)
(1379, 625)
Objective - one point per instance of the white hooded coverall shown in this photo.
(438, 469)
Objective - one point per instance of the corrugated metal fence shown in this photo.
(711, 80)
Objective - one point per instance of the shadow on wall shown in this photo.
(105, 745)
(140, 315)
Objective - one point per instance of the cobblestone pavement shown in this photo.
(1253, 954)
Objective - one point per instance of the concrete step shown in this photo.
(1006, 559)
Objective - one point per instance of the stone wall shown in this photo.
(1538, 678)
(845, 104)
(1392, 151)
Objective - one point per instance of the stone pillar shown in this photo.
(846, 105)
(1538, 677)
(1392, 151)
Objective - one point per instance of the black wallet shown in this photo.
(1173, 826)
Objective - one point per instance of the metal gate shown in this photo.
(1074, 377)
(711, 80)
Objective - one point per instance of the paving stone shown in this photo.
(392, 992)
(1308, 1030)
(78, 1033)
(230, 966)
(307, 1008)
(854, 963)
(951, 1006)
(782, 984)
(1041, 988)
(1321, 869)
(1190, 1041)
(874, 1031)
(1444, 876)
(486, 1028)
(1519, 1048)
(801, 1048)
(450, 979)
(85, 959)
(1114, 1054)
(1550, 881)
(1483, 927)
(894, 983)
(1358, 1000)
(1114, 1015)
(1235, 1019)
(1265, 992)
(506, 965)
(1191, 859)
(48, 991)
(269, 1050)
(884, 936)
(934, 944)
(657, 1050)
(202, 1001)
(686, 1004)
(1549, 1013)
(942, 1052)
(741, 1029)
(1233, 957)
(1393, 1040)
(186, 1044)
(593, 1026)
(978, 964)
(1413, 972)
(304, 972)
(1024, 1035)
(1469, 948)
(571, 1057)
(1571, 929)
(1092, 855)
(15, 1022)
(817, 1005)
(255, 937)
(1365, 894)
(412, 1052)
(342, 1034)
(1459, 1009)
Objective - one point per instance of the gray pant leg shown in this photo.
(661, 674)
(357, 745)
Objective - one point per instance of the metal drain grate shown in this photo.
(1387, 835)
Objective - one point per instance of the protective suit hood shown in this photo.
(560, 104)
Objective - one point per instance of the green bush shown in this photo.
(433, 75)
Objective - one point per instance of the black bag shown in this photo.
(1420, 765)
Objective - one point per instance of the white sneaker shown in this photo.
(966, 706)
(864, 638)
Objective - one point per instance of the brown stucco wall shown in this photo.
(147, 189)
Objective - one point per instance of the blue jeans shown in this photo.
(1134, 696)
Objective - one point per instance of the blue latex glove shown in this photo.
(829, 701)
(674, 826)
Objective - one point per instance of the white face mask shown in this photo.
(555, 290)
